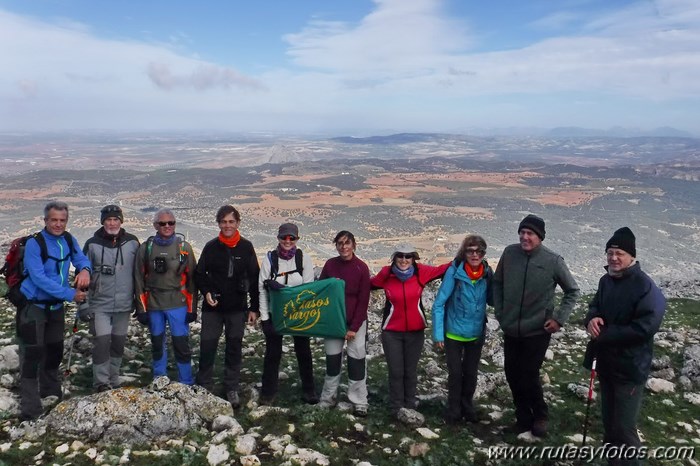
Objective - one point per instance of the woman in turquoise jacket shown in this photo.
(459, 321)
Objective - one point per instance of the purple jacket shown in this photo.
(355, 273)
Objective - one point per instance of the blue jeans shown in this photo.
(180, 331)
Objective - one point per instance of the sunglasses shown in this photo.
(404, 256)
(475, 252)
(288, 238)
(169, 223)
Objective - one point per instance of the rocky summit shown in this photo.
(154, 422)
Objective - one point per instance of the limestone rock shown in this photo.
(245, 444)
(306, 456)
(427, 433)
(9, 358)
(217, 454)
(410, 417)
(250, 460)
(581, 391)
(129, 415)
(691, 364)
(9, 402)
(223, 422)
(660, 386)
(693, 398)
(418, 449)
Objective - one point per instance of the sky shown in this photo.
(348, 67)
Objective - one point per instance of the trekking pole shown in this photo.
(66, 373)
(588, 402)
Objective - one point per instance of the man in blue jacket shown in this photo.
(40, 322)
(626, 312)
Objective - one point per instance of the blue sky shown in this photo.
(348, 66)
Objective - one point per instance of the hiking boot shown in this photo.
(232, 397)
(103, 387)
(309, 398)
(471, 416)
(539, 428)
(451, 420)
(326, 404)
(360, 411)
(266, 400)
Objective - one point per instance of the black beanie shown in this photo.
(623, 239)
(534, 223)
(111, 211)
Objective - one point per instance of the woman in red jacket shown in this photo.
(404, 321)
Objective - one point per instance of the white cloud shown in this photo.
(405, 62)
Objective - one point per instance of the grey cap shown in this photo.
(405, 248)
(288, 229)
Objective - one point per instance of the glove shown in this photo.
(85, 314)
(271, 284)
(142, 317)
(268, 328)
(191, 317)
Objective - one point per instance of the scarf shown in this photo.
(402, 275)
(621, 273)
(160, 241)
(232, 241)
(286, 255)
(474, 274)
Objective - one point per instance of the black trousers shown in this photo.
(402, 351)
(273, 356)
(523, 361)
(620, 406)
(462, 370)
(214, 323)
(40, 333)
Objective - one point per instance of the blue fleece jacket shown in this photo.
(460, 305)
(49, 281)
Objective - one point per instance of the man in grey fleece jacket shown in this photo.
(523, 292)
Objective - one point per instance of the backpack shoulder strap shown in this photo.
(147, 255)
(41, 241)
(299, 261)
(274, 263)
(70, 241)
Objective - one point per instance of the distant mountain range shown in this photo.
(559, 132)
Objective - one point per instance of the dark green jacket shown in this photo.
(523, 290)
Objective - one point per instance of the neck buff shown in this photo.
(160, 241)
(621, 272)
(402, 275)
(286, 255)
(232, 241)
(474, 274)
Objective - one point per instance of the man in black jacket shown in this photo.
(622, 319)
(226, 275)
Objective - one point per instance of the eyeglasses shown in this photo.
(475, 252)
(170, 223)
(404, 256)
(287, 238)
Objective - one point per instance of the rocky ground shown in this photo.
(164, 422)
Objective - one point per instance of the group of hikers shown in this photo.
(159, 280)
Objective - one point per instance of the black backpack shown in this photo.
(13, 269)
(275, 265)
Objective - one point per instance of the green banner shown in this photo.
(312, 309)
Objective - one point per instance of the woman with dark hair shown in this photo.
(226, 275)
(287, 266)
(459, 321)
(355, 273)
(404, 321)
